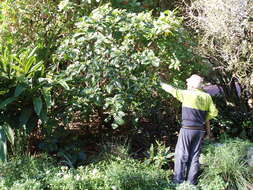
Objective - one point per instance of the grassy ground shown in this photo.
(223, 167)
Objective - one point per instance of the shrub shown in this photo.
(113, 59)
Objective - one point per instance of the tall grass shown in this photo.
(226, 166)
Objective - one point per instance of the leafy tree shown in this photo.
(113, 62)
(41, 24)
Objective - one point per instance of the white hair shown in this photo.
(195, 81)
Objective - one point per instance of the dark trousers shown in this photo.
(187, 155)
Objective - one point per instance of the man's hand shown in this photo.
(166, 87)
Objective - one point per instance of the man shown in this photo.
(197, 109)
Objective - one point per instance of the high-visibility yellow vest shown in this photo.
(197, 106)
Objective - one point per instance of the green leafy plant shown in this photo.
(25, 92)
(159, 155)
(6, 133)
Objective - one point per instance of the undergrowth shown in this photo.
(223, 167)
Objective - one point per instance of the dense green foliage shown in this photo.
(88, 66)
(25, 93)
(74, 73)
(113, 59)
(33, 173)
(224, 165)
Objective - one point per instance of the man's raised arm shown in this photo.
(168, 88)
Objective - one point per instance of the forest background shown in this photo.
(75, 74)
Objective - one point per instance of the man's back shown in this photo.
(197, 106)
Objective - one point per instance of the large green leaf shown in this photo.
(47, 96)
(19, 66)
(31, 59)
(9, 133)
(25, 116)
(5, 60)
(43, 115)
(7, 101)
(32, 52)
(19, 89)
(28, 64)
(36, 67)
(3, 145)
(37, 103)
(63, 84)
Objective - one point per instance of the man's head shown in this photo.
(194, 82)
